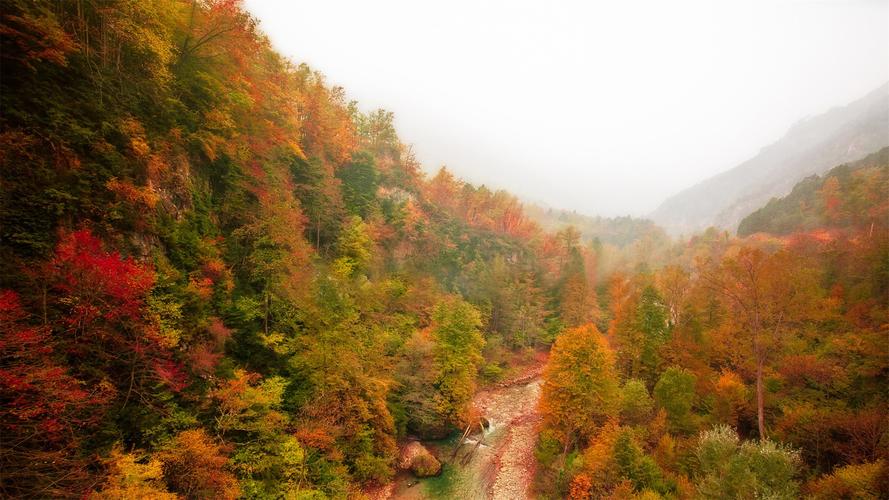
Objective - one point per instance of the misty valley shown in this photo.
(222, 278)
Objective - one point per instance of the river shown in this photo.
(499, 468)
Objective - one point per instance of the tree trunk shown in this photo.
(760, 399)
(267, 307)
(45, 317)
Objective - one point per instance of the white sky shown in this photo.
(602, 107)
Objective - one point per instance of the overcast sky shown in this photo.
(602, 107)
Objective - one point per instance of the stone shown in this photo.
(417, 459)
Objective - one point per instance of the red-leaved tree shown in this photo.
(90, 349)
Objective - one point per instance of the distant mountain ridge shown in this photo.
(847, 196)
(812, 146)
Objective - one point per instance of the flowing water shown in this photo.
(501, 466)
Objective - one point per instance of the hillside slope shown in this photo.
(810, 147)
(617, 231)
(220, 279)
(850, 195)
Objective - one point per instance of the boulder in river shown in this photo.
(416, 458)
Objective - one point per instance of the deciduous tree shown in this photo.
(769, 295)
(580, 390)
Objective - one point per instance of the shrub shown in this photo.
(859, 481)
(635, 403)
(675, 392)
(730, 468)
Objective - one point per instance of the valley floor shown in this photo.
(502, 466)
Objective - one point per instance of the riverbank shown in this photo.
(496, 463)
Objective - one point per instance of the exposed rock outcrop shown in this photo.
(417, 459)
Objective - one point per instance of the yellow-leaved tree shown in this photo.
(580, 390)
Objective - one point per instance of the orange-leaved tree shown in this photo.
(580, 389)
(768, 296)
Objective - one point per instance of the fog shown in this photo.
(602, 107)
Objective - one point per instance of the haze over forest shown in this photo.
(221, 277)
(606, 108)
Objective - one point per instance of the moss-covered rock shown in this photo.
(417, 459)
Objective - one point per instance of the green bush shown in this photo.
(635, 405)
(730, 468)
(675, 392)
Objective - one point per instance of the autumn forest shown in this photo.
(219, 278)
